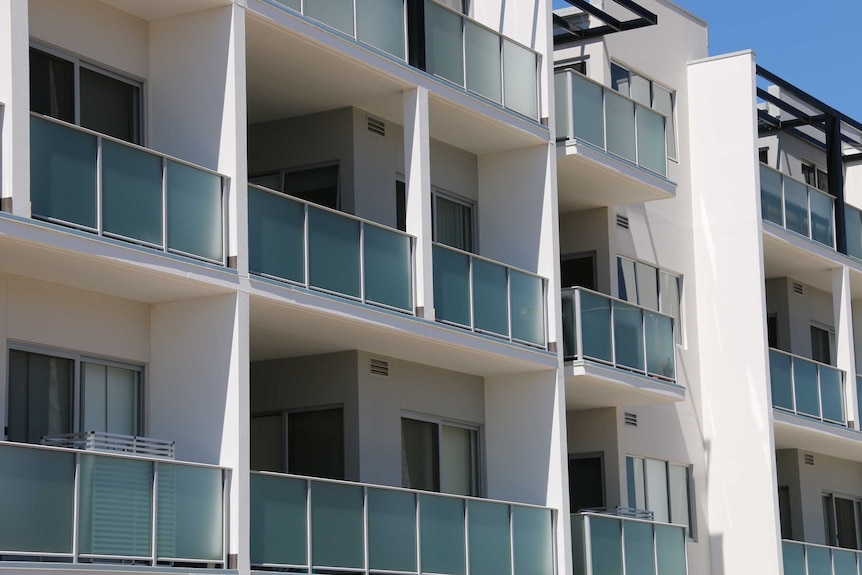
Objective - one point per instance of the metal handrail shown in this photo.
(806, 359)
(488, 260)
(798, 181)
(626, 518)
(137, 457)
(488, 28)
(608, 88)
(617, 300)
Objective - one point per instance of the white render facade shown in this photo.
(416, 286)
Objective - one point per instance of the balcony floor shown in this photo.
(591, 385)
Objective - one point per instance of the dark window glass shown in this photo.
(620, 79)
(586, 483)
(578, 271)
(772, 330)
(453, 223)
(820, 350)
(52, 86)
(845, 522)
(315, 443)
(763, 155)
(784, 512)
(400, 205)
(40, 396)
(420, 449)
(110, 106)
(316, 185)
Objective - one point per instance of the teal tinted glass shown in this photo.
(37, 491)
(278, 520)
(391, 530)
(276, 235)
(195, 216)
(639, 550)
(794, 558)
(607, 550)
(483, 60)
(596, 327)
(628, 336)
(490, 298)
(520, 79)
(562, 105)
(651, 141)
(62, 173)
(336, 525)
(490, 553)
(451, 286)
(831, 394)
(770, 196)
(796, 207)
(335, 13)
(295, 4)
(844, 562)
(444, 48)
(528, 310)
(441, 524)
(805, 382)
(388, 268)
(131, 193)
(579, 546)
(659, 344)
(779, 377)
(670, 550)
(381, 24)
(333, 252)
(531, 539)
(853, 231)
(588, 111)
(822, 223)
(190, 514)
(819, 560)
(620, 123)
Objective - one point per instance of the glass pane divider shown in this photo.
(613, 308)
(76, 507)
(467, 538)
(355, 24)
(164, 202)
(810, 219)
(509, 304)
(361, 255)
(305, 241)
(588, 545)
(579, 326)
(226, 478)
(511, 540)
(309, 532)
(463, 52)
(502, 71)
(635, 120)
(365, 545)
(470, 292)
(644, 338)
(417, 506)
(99, 166)
(155, 519)
(570, 94)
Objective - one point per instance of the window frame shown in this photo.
(79, 62)
(80, 358)
(282, 172)
(831, 536)
(691, 528)
(679, 332)
(463, 201)
(477, 456)
(821, 176)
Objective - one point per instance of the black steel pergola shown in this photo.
(576, 29)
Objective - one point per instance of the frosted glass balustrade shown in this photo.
(109, 187)
(805, 210)
(807, 388)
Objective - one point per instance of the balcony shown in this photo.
(612, 149)
(488, 297)
(71, 506)
(607, 544)
(96, 183)
(621, 353)
(329, 251)
(809, 559)
(797, 207)
(807, 388)
(299, 523)
(450, 46)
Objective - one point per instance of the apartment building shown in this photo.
(420, 286)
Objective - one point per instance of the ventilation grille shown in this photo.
(623, 221)
(376, 126)
(798, 288)
(379, 367)
(808, 458)
(631, 419)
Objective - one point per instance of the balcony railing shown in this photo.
(489, 297)
(317, 525)
(810, 559)
(607, 544)
(83, 507)
(455, 48)
(797, 207)
(93, 182)
(600, 328)
(806, 387)
(330, 251)
(610, 121)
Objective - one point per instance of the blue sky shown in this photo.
(814, 44)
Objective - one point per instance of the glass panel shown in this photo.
(276, 236)
(670, 300)
(458, 460)
(819, 561)
(579, 552)
(109, 399)
(670, 550)
(596, 327)
(62, 173)
(662, 100)
(531, 536)
(40, 396)
(315, 443)
(770, 196)
(441, 524)
(195, 220)
(628, 336)
(52, 86)
(822, 225)
(336, 525)
(656, 489)
(333, 252)
(490, 295)
(453, 223)
(635, 482)
(794, 558)
(419, 455)
(679, 498)
(651, 141)
(607, 551)
(190, 515)
(844, 562)
(131, 193)
(116, 506)
(388, 268)
(831, 394)
(391, 530)
(640, 90)
(519, 77)
(620, 121)
(37, 490)
(796, 206)
(335, 13)
(278, 520)
(626, 279)
(451, 286)
(528, 310)
(853, 230)
(489, 538)
(381, 24)
(110, 106)
(647, 280)
(443, 43)
(659, 345)
(587, 110)
(779, 378)
(483, 62)
(570, 336)
(620, 79)
(805, 381)
(639, 550)
(295, 4)
(562, 104)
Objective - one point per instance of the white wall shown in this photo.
(15, 108)
(797, 313)
(596, 430)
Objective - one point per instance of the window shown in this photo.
(578, 270)
(650, 94)
(822, 345)
(54, 394)
(815, 176)
(772, 330)
(661, 487)
(586, 482)
(763, 155)
(784, 512)
(317, 184)
(81, 93)
(453, 222)
(400, 205)
(310, 442)
(437, 456)
(842, 516)
(651, 287)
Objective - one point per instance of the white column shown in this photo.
(14, 108)
(417, 167)
(845, 352)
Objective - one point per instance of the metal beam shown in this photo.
(597, 12)
(835, 175)
(636, 8)
(572, 29)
